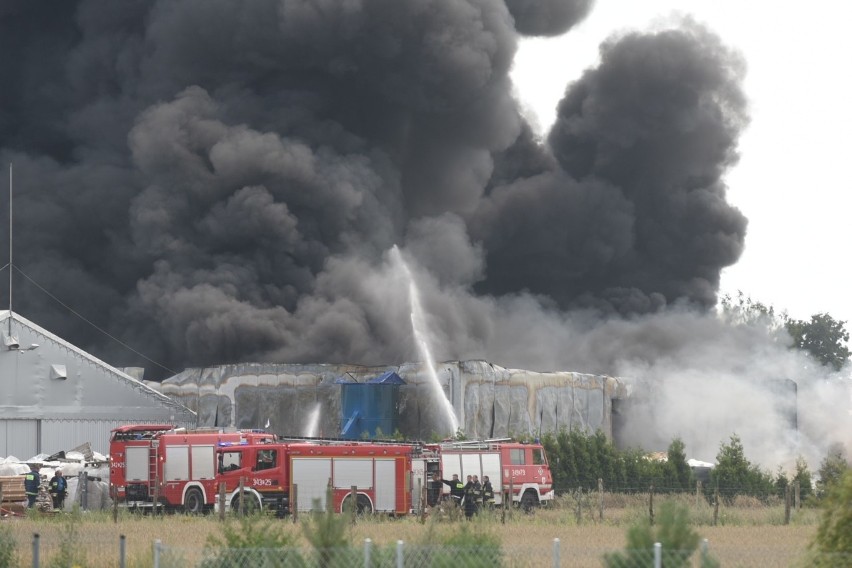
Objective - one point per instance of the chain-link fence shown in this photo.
(93, 553)
(443, 556)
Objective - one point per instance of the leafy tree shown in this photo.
(833, 540)
(823, 337)
(735, 475)
(803, 476)
(831, 469)
(742, 310)
(678, 472)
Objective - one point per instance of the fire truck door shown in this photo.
(202, 462)
(265, 471)
(312, 476)
(177, 463)
(385, 484)
(136, 463)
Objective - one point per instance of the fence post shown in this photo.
(698, 493)
(600, 499)
(716, 507)
(242, 495)
(705, 545)
(424, 502)
(511, 495)
(787, 496)
(354, 495)
(294, 503)
(556, 561)
(400, 563)
(122, 551)
(157, 553)
(797, 494)
(222, 501)
(84, 490)
(114, 491)
(367, 546)
(658, 555)
(651, 505)
(35, 550)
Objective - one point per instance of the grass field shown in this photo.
(748, 534)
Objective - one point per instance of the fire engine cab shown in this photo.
(512, 467)
(173, 467)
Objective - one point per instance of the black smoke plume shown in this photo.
(213, 182)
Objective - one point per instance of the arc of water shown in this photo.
(421, 337)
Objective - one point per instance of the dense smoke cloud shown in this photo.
(222, 182)
(548, 17)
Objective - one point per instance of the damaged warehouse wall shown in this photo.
(489, 400)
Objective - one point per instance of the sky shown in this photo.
(792, 181)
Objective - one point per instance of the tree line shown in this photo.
(578, 460)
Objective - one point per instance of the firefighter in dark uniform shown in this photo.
(58, 487)
(31, 482)
(456, 488)
(487, 492)
(469, 498)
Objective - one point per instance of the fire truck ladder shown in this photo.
(153, 474)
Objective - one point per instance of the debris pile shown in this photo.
(86, 471)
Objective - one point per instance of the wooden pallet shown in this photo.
(12, 489)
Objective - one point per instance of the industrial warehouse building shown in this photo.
(55, 396)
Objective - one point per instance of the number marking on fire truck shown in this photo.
(261, 482)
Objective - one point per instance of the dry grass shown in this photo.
(747, 535)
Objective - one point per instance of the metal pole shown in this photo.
(399, 559)
(35, 550)
(122, 549)
(84, 490)
(367, 545)
(157, 553)
(658, 555)
(705, 546)
(556, 561)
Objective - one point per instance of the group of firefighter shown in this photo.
(58, 486)
(472, 495)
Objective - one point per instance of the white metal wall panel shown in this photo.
(353, 471)
(136, 463)
(19, 438)
(385, 484)
(450, 464)
(418, 482)
(491, 468)
(470, 465)
(66, 434)
(311, 475)
(177, 463)
(202, 462)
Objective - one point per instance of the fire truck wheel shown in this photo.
(251, 504)
(362, 503)
(193, 504)
(528, 501)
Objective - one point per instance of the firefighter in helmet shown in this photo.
(487, 492)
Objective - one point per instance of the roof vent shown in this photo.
(58, 372)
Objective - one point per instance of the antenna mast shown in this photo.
(10, 249)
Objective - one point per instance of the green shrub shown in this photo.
(833, 539)
(672, 531)
(8, 548)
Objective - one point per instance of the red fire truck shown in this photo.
(381, 473)
(511, 466)
(175, 466)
